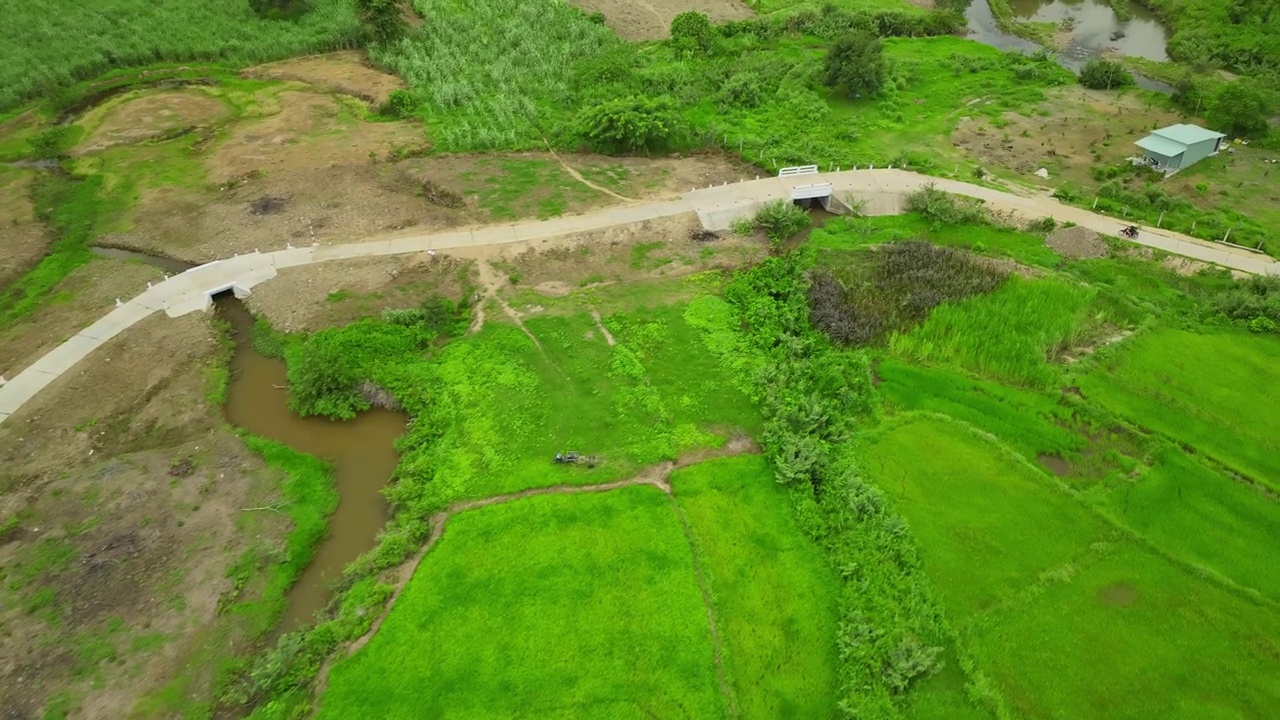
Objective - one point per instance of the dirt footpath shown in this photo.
(651, 19)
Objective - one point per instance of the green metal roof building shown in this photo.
(1179, 146)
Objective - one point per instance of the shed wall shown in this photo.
(1198, 151)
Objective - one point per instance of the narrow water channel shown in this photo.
(361, 451)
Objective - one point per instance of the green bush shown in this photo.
(855, 65)
(1101, 74)
(631, 124)
(781, 219)
(943, 207)
(399, 104)
(1242, 108)
(692, 33)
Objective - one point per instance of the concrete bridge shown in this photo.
(880, 192)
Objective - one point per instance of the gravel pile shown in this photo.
(1076, 242)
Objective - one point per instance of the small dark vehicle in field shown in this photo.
(1130, 232)
(576, 458)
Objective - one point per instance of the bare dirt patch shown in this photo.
(85, 295)
(348, 72)
(1071, 131)
(149, 115)
(1184, 266)
(642, 251)
(121, 561)
(1076, 242)
(340, 292)
(1118, 594)
(651, 19)
(23, 239)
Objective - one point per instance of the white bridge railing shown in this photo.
(809, 192)
(798, 170)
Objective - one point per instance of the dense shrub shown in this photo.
(1101, 74)
(943, 207)
(1241, 108)
(855, 65)
(781, 219)
(631, 124)
(692, 33)
(811, 395)
(399, 104)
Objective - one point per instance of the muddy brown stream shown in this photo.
(360, 451)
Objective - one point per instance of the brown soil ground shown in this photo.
(147, 116)
(348, 72)
(340, 292)
(125, 493)
(1073, 130)
(1076, 242)
(87, 294)
(23, 239)
(651, 19)
(648, 250)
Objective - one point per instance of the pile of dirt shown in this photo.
(1076, 242)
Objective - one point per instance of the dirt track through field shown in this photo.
(658, 476)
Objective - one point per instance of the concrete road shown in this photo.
(879, 192)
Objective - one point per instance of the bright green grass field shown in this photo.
(774, 596)
(987, 521)
(1087, 624)
(1205, 518)
(1134, 636)
(509, 407)
(1217, 393)
(579, 606)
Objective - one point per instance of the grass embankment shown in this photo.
(572, 606)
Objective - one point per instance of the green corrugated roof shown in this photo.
(1161, 146)
(1187, 134)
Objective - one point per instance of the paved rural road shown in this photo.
(882, 191)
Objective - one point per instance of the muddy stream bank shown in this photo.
(361, 452)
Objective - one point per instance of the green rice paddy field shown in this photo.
(1096, 534)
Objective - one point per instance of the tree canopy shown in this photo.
(855, 64)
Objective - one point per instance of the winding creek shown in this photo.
(361, 451)
(1094, 32)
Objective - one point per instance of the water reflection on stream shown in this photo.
(1094, 24)
(361, 451)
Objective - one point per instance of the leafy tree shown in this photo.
(1241, 108)
(692, 33)
(383, 19)
(1100, 74)
(630, 124)
(856, 64)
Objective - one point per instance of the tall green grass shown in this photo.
(580, 606)
(51, 45)
(774, 596)
(494, 75)
(1007, 335)
(1213, 392)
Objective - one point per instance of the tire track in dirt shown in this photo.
(658, 476)
(579, 177)
(489, 280)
